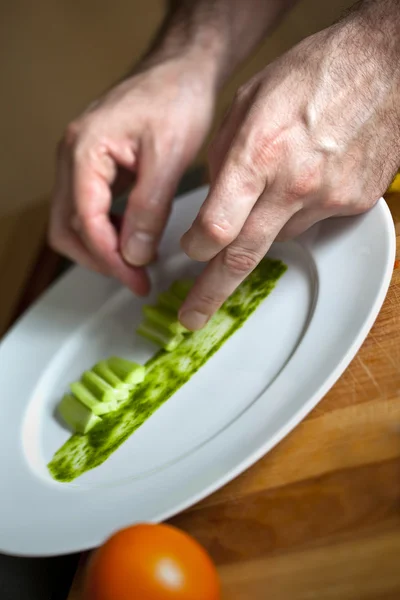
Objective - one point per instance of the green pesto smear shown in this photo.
(166, 373)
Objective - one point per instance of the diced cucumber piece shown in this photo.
(126, 370)
(103, 370)
(101, 389)
(170, 301)
(174, 342)
(84, 395)
(181, 287)
(158, 315)
(159, 335)
(77, 415)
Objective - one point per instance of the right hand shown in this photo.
(148, 127)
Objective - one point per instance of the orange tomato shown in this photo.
(151, 562)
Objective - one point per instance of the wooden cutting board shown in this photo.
(319, 516)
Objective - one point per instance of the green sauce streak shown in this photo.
(167, 372)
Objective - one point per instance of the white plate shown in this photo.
(258, 386)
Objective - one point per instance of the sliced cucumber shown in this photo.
(101, 389)
(170, 301)
(103, 370)
(128, 371)
(181, 287)
(161, 324)
(84, 395)
(159, 335)
(163, 317)
(76, 415)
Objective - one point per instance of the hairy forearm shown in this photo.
(367, 44)
(219, 34)
(376, 24)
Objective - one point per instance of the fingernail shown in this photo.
(193, 319)
(139, 249)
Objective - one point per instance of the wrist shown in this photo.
(215, 36)
(374, 26)
(200, 60)
(195, 36)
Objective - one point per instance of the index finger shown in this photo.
(232, 265)
(61, 236)
(244, 174)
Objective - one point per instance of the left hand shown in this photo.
(314, 135)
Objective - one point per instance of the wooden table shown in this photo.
(319, 516)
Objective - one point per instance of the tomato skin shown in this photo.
(151, 562)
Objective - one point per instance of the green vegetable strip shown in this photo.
(166, 373)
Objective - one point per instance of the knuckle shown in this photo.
(251, 185)
(364, 204)
(306, 184)
(250, 157)
(148, 232)
(334, 201)
(244, 176)
(251, 160)
(218, 232)
(240, 261)
(138, 207)
(152, 207)
(261, 153)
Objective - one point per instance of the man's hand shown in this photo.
(149, 128)
(314, 135)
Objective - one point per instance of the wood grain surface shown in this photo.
(319, 516)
